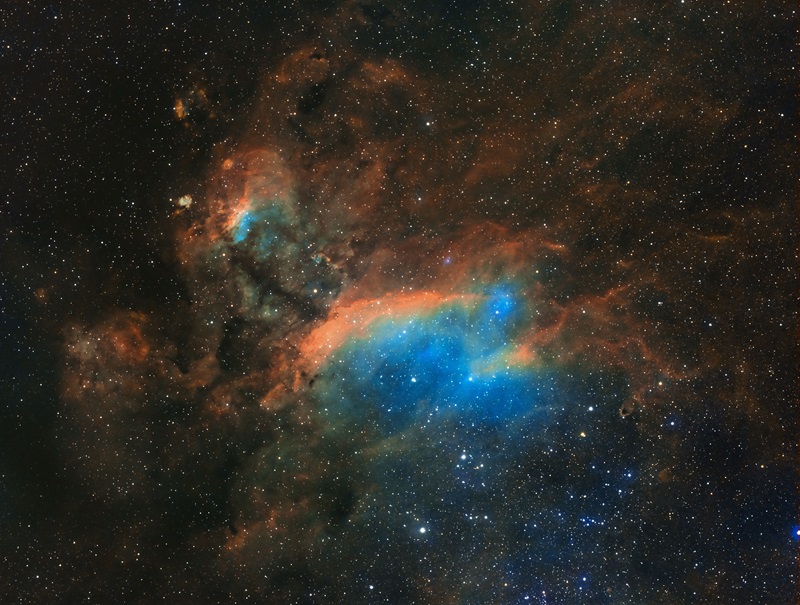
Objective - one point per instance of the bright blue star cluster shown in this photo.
(448, 426)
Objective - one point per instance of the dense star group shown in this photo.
(404, 303)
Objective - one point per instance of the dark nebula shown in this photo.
(399, 302)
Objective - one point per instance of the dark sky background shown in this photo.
(399, 302)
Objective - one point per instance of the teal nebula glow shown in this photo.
(452, 362)
(266, 227)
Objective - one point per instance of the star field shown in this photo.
(399, 302)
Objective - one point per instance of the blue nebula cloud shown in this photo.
(266, 227)
(425, 368)
(242, 229)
